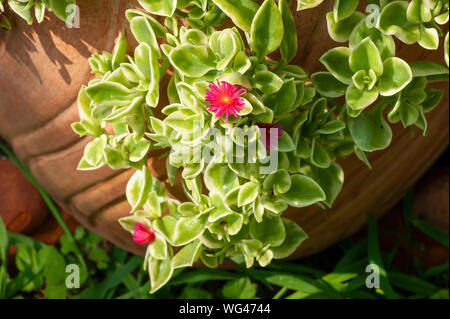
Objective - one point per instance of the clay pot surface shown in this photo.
(22, 208)
(42, 68)
(431, 200)
(431, 205)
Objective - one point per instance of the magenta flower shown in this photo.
(225, 98)
(143, 234)
(266, 137)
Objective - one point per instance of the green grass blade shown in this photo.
(112, 280)
(131, 283)
(298, 295)
(20, 240)
(260, 275)
(295, 268)
(4, 242)
(431, 231)
(51, 205)
(352, 255)
(356, 283)
(401, 238)
(280, 293)
(441, 294)
(345, 272)
(4, 248)
(200, 276)
(144, 289)
(412, 284)
(4, 279)
(295, 282)
(22, 279)
(375, 258)
(435, 271)
(320, 295)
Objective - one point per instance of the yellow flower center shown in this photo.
(226, 99)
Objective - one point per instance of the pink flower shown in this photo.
(225, 98)
(266, 130)
(143, 234)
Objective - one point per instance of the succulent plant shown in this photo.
(249, 135)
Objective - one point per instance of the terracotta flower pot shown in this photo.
(42, 67)
(22, 208)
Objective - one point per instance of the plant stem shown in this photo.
(280, 293)
(51, 205)
(164, 67)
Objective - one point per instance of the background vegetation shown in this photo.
(37, 270)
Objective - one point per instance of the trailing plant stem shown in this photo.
(51, 205)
